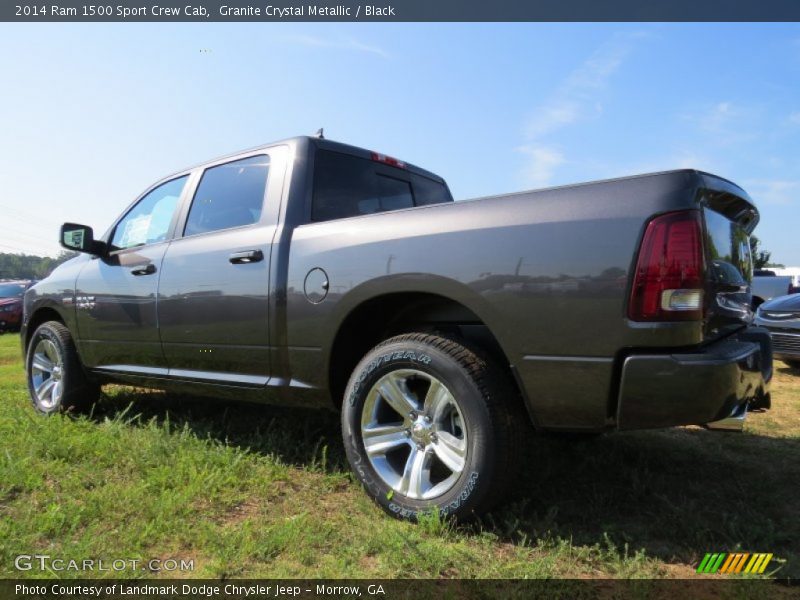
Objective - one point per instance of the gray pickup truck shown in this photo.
(309, 272)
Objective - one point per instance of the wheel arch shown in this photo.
(386, 315)
(41, 314)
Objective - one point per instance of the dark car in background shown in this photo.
(781, 316)
(11, 293)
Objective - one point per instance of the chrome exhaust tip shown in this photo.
(733, 422)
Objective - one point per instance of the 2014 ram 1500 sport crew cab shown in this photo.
(309, 272)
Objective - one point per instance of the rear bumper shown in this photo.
(709, 386)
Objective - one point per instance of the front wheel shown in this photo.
(56, 379)
(429, 424)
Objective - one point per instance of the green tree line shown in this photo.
(28, 266)
(761, 257)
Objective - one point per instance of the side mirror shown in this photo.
(79, 238)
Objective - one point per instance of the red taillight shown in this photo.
(669, 278)
(388, 160)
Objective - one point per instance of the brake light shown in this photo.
(669, 278)
(388, 160)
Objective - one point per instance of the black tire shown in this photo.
(794, 364)
(482, 414)
(77, 392)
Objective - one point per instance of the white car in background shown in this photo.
(781, 316)
(767, 284)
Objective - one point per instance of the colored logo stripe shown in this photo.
(737, 562)
(727, 564)
(711, 562)
(704, 563)
(760, 564)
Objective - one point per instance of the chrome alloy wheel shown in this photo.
(47, 370)
(414, 434)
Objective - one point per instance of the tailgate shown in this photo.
(729, 217)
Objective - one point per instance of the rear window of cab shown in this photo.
(348, 186)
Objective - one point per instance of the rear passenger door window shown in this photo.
(229, 195)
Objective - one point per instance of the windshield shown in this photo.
(12, 290)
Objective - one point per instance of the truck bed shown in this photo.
(558, 259)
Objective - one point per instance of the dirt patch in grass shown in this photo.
(241, 512)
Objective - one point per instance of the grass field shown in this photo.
(251, 491)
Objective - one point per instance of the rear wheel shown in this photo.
(56, 379)
(429, 424)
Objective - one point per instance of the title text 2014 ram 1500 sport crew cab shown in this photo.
(309, 272)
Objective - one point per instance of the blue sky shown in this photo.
(92, 114)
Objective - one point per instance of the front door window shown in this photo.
(148, 222)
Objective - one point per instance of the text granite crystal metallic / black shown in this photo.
(309, 272)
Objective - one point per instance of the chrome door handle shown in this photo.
(147, 269)
(243, 258)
